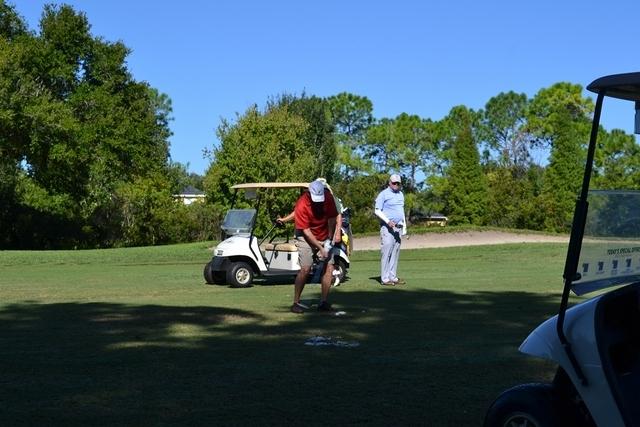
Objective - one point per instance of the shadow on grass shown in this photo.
(425, 358)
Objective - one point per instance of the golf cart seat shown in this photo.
(281, 247)
(618, 336)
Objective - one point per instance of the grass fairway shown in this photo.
(135, 337)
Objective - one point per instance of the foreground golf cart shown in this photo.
(596, 343)
(242, 256)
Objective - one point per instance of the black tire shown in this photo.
(213, 277)
(341, 266)
(240, 275)
(526, 405)
(208, 274)
(220, 278)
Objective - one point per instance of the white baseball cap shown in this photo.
(316, 189)
(395, 178)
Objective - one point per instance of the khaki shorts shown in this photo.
(306, 252)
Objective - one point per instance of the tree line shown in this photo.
(84, 151)
(476, 167)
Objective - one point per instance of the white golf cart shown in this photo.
(242, 256)
(596, 343)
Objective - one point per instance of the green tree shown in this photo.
(413, 142)
(260, 147)
(378, 145)
(319, 136)
(447, 130)
(617, 161)
(503, 127)
(466, 188)
(511, 197)
(74, 126)
(512, 187)
(560, 116)
(9, 176)
(359, 194)
(196, 222)
(351, 115)
(146, 207)
(180, 177)
(405, 144)
(11, 24)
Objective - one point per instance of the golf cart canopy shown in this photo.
(256, 185)
(621, 86)
(251, 188)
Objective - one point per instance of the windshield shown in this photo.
(239, 221)
(610, 253)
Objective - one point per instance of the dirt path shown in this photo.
(471, 238)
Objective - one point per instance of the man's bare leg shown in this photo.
(325, 282)
(301, 280)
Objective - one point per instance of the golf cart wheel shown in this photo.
(341, 266)
(526, 405)
(240, 275)
(213, 277)
(208, 274)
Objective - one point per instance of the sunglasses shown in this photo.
(395, 182)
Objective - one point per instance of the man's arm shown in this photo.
(334, 225)
(384, 218)
(313, 242)
(379, 204)
(287, 218)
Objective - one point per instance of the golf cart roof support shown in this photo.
(575, 241)
(253, 226)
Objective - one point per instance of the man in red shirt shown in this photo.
(315, 217)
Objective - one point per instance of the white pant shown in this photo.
(390, 247)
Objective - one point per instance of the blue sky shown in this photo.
(216, 58)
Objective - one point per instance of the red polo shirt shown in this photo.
(315, 215)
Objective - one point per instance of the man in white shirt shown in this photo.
(389, 208)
